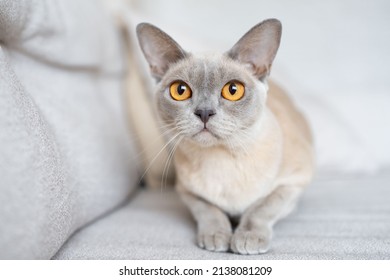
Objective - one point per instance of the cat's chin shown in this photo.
(205, 138)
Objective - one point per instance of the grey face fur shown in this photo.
(206, 76)
(248, 62)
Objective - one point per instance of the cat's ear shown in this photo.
(258, 47)
(159, 48)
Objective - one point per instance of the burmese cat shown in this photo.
(242, 153)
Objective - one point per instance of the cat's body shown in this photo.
(240, 152)
(233, 179)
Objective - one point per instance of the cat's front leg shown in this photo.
(213, 225)
(254, 232)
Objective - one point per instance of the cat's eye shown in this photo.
(233, 91)
(180, 91)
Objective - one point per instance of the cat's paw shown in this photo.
(251, 242)
(217, 240)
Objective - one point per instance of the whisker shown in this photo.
(168, 163)
(154, 159)
(166, 166)
(161, 135)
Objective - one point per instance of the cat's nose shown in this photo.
(204, 114)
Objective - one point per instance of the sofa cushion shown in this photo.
(66, 154)
(345, 219)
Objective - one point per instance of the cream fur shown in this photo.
(281, 154)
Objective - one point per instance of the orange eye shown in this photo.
(180, 91)
(233, 91)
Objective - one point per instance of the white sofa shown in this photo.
(70, 161)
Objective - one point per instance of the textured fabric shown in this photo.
(345, 219)
(65, 152)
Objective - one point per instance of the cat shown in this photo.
(243, 152)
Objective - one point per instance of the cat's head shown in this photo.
(216, 98)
